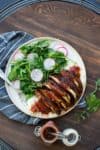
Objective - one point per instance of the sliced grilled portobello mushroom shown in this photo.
(60, 92)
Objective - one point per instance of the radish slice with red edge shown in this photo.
(63, 50)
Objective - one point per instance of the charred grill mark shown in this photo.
(67, 99)
(55, 79)
(58, 99)
(69, 80)
(50, 101)
(54, 87)
(75, 77)
(41, 108)
(70, 93)
(54, 98)
(59, 92)
(76, 83)
(67, 90)
(41, 104)
(80, 85)
(44, 101)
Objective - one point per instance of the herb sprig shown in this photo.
(92, 102)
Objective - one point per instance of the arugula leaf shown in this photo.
(43, 43)
(38, 47)
(13, 74)
(26, 49)
(28, 87)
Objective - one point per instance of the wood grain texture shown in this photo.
(79, 27)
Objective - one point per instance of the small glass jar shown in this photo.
(45, 132)
(49, 134)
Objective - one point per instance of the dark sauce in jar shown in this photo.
(48, 133)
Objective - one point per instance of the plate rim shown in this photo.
(85, 83)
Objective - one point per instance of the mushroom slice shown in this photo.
(54, 108)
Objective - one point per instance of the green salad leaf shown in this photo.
(21, 69)
(38, 47)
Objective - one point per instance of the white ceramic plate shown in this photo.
(20, 102)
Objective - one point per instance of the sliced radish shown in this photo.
(16, 84)
(63, 50)
(59, 47)
(18, 55)
(36, 75)
(49, 64)
(32, 56)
